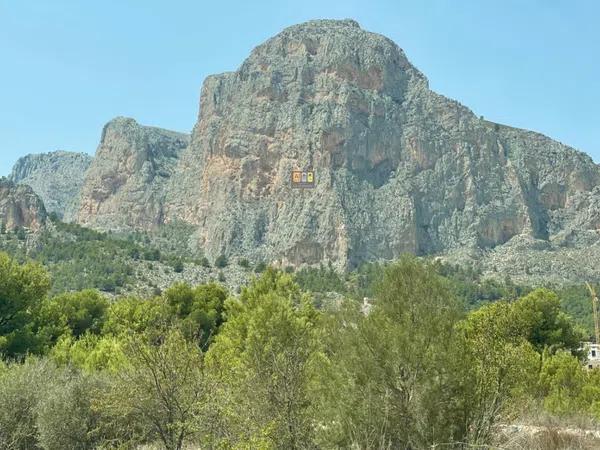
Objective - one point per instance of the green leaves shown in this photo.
(22, 288)
(261, 365)
(392, 382)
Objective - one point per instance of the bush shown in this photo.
(204, 262)
(65, 418)
(244, 263)
(178, 266)
(221, 261)
(21, 235)
(260, 267)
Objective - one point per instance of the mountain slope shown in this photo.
(20, 207)
(399, 168)
(57, 177)
(124, 187)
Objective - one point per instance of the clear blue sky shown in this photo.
(67, 67)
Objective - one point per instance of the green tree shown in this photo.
(22, 288)
(73, 313)
(547, 326)
(199, 310)
(260, 267)
(133, 315)
(204, 262)
(503, 368)
(20, 388)
(90, 353)
(261, 364)
(65, 418)
(21, 234)
(563, 380)
(395, 377)
(162, 389)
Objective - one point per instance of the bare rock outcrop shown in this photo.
(57, 177)
(124, 188)
(399, 168)
(20, 207)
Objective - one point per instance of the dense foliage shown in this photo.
(266, 369)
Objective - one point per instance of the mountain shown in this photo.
(57, 177)
(124, 188)
(398, 168)
(20, 207)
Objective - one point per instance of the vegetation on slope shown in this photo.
(267, 369)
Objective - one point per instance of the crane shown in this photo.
(595, 309)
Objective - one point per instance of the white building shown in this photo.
(593, 355)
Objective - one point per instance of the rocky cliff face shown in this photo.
(20, 207)
(398, 167)
(57, 177)
(124, 188)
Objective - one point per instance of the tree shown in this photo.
(162, 389)
(90, 353)
(22, 288)
(204, 262)
(562, 380)
(261, 364)
(132, 315)
(503, 367)
(547, 326)
(260, 267)
(20, 388)
(74, 313)
(21, 234)
(199, 310)
(65, 417)
(221, 261)
(178, 266)
(395, 377)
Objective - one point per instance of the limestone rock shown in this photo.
(124, 187)
(20, 207)
(57, 177)
(399, 168)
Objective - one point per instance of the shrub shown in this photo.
(178, 266)
(221, 261)
(204, 262)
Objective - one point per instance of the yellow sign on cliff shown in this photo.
(303, 178)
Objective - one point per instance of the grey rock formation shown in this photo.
(124, 187)
(57, 177)
(20, 207)
(398, 167)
